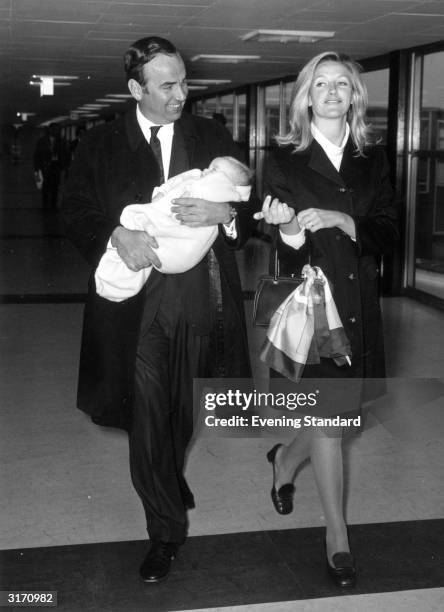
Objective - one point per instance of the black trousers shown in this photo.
(169, 356)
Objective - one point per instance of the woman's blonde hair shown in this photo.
(300, 115)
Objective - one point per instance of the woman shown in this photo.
(329, 192)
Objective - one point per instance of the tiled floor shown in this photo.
(70, 520)
(248, 568)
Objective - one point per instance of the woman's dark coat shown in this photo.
(362, 190)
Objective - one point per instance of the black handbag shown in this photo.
(271, 291)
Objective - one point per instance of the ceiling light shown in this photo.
(123, 96)
(115, 101)
(195, 87)
(54, 120)
(85, 112)
(284, 36)
(93, 106)
(39, 83)
(59, 77)
(207, 81)
(224, 59)
(24, 115)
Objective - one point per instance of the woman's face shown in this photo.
(330, 91)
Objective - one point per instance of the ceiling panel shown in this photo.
(89, 37)
(390, 27)
(165, 9)
(368, 8)
(46, 29)
(149, 21)
(57, 9)
(429, 7)
(118, 27)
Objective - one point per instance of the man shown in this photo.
(139, 357)
(48, 164)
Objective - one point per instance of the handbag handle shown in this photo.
(276, 262)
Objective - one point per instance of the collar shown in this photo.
(330, 148)
(145, 124)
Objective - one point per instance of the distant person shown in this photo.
(16, 149)
(80, 131)
(48, 165)
(220, 117)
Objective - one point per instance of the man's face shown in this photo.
(163, 96)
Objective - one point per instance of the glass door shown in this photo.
(425, 254)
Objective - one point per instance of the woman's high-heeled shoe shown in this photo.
(283, 497)
(343, 573)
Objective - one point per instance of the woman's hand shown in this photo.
(314, 219)
(275, 212)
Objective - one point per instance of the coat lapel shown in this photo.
(348, 165)
(186, 137)
(354, 168)
(320, 163)
(133, 131)
(180, 159)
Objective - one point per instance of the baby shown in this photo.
(180, 247)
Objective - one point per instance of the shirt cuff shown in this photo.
(230, 229)
(293, 240)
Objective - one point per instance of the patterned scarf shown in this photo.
(306, 327)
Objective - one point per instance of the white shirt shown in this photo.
(165, 136)
(334, 154)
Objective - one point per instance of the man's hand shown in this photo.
(196, 212)
(135, 248)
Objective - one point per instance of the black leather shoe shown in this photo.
(343, 573)
(283, 498)
(187, 496)
(156, 565)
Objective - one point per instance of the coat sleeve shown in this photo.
(377, 232)
(87, 223)
(276, 184)
(245, 223)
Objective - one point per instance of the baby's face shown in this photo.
(221, 165)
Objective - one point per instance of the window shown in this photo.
(426, 163)
(377, 83)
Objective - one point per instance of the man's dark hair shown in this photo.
(143, 51)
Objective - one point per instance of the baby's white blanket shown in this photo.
(180, 247)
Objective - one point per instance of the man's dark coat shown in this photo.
(113, 167)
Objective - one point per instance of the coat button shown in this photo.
(338, 236)
(352, 319)
(342, 189)
(351, 276)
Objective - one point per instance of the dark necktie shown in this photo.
(157, 150)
